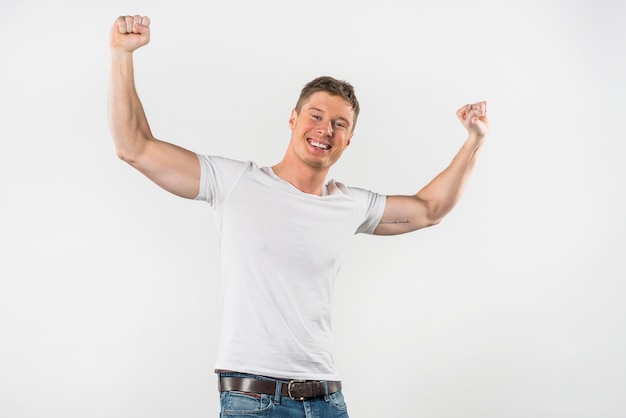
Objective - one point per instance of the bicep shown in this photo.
(173, 168)
(403, 214)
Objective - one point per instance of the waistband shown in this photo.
(295, 389)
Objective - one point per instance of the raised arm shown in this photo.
(433, 202)
(175, 169)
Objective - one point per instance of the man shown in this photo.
(282, 231)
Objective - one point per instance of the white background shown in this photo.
(512, 307)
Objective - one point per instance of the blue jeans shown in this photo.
(237, 404)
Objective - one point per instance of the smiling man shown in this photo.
(322, 125)
(282, 231)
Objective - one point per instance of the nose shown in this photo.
(326, 129)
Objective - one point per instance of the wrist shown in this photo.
(475, 141)
(476, 138)
(121, 54)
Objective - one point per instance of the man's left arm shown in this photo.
(428, 207)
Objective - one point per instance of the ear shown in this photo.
(292, 119)
(349, 139)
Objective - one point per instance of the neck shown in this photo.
(304, 178)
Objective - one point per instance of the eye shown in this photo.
(316, 117)
(341, 125)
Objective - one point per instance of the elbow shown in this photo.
(434, 215)
(129, 151)
(436, 221)
(433, 220)
(437, 209)
(124, 155)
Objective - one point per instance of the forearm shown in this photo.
(127, 121)
(445, 190)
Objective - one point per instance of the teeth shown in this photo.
(319, 145)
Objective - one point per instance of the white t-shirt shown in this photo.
(280, 251)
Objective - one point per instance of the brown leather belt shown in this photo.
(298, 390)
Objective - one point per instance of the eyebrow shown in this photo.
(321, 111)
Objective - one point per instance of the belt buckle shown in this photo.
(290, 385)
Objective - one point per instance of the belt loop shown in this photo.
(279, 386)
(326, 395)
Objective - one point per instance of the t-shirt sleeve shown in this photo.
(217, 177)
(372, 207)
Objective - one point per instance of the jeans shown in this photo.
(237, 404)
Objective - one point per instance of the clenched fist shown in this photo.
(130, 32)
(474, 118)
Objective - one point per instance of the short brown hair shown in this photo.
(333, 87)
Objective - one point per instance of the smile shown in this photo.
(319, 145)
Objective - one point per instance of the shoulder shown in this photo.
(219, 174)
(217, 165)
(222, 161)
(335, 187)
(369, 204)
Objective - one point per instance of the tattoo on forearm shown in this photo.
(397, 221)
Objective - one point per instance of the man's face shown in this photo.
(322, 130)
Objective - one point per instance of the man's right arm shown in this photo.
(175, 169)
